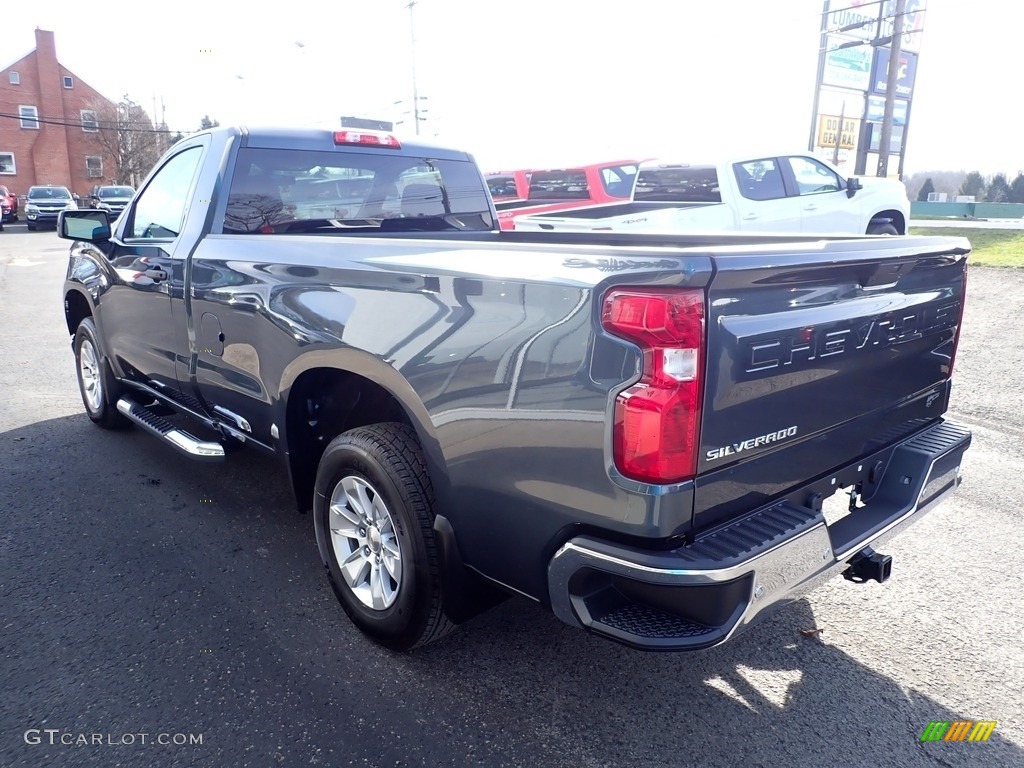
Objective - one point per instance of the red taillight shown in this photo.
(361, 137)
(656, 420)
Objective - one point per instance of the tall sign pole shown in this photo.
(415, 93)
(892, 77)
(821, 71)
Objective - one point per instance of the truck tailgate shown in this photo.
(817, 357)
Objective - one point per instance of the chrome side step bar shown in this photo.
(159, 427)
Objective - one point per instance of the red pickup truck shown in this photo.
(559, 189)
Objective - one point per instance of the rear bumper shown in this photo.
(701, 594)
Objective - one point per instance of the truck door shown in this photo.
(762, 200)
(146, 254)
(824, 204)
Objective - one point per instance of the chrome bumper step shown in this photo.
(700, 594)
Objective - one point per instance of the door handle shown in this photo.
(810, 207)
(155, 274)
(750, 217)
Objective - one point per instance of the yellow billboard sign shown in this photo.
(828, 128)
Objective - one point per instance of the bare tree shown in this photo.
(129, 141)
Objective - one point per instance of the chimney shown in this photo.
(45, 45)
(50, 147)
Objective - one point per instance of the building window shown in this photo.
(7, 163)
(14, 77)
(29, 117)
(89, 122)
(94, 166)
(68, 82)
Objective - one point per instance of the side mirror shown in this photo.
(90, 225)
(852, 185)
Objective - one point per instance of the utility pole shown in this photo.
(412, 52)
(890, 88)
(839, 134)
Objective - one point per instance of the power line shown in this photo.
(98, 124)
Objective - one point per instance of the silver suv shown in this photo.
(111, 199)
(44, 204)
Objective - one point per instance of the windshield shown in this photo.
(275, 191)
(115, 192)
(49, 193)
(678, 184)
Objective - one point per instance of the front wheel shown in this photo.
(95, 382)
(31, 226)
(374, 506)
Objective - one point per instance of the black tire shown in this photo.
(883, 229)
(387, 458)
(31, 226)
(100, 392)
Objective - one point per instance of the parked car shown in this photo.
(797, 192)
(111, 199)
(8, 204)
(43, 205)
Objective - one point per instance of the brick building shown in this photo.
(48, 125)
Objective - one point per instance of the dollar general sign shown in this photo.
(828, 127)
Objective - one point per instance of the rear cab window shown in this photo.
(284, 191)
(678, 184)
(502, 187)
(570, 184)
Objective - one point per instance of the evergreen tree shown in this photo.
(998, 189)
(1017, 189)
(974, 185)
(926, 189)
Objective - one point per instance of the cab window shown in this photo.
(760, 179)
(812, 177)
(160, 209)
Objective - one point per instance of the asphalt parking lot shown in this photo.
(146, 594)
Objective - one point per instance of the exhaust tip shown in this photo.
(868, 565)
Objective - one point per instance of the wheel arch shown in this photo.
(889, 216)
(327, 392)
(77, 307)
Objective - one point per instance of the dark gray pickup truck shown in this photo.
(641, 433)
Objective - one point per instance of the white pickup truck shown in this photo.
(782, 193)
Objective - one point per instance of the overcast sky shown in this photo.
(538, 82)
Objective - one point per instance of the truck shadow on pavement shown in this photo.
(134, 526)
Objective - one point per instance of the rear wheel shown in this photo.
(95, 381)
(374, 506)
(883, 229)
